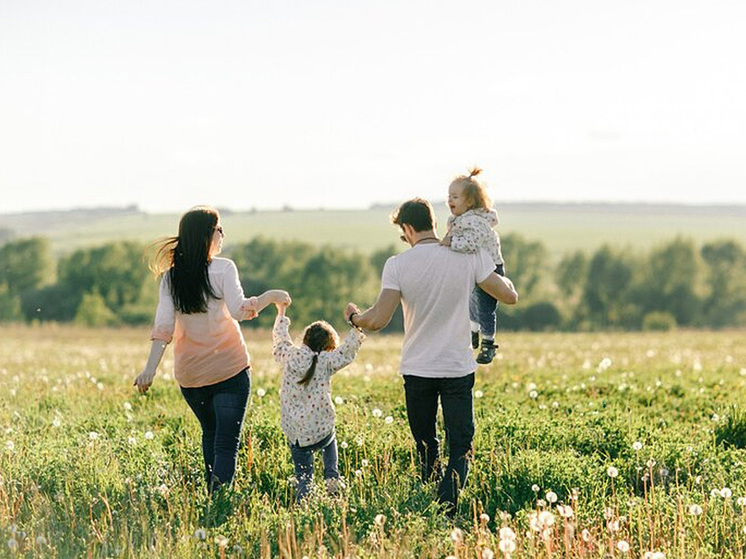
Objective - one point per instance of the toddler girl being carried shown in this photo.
(471, 227)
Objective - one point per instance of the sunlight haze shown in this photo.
(332, 104)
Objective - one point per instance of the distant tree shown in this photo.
(10, 305)
(57, 302)
(332, 278)
(570, 273)
(609, 276)
(669, 281)
(93, 311)
(725, 304)
(526, 264)
(116, 271)
(26, 264)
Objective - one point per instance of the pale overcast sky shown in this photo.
(345, 103)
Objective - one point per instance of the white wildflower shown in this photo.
(506, 546)
(612, 472)
(637, 446)
(622, 546)
(506, 533)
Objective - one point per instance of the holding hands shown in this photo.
(254, 305)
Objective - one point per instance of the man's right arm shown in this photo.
(501, 288)
(379, 315)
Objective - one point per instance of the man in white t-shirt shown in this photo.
(433, 284)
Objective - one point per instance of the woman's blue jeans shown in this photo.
(220, 409)
(483, 308)
(303, 462)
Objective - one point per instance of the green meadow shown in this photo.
(587, 445)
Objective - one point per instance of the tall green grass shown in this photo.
(587, 445)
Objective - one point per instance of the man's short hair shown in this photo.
(416, 212)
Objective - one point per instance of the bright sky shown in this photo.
(345, 103)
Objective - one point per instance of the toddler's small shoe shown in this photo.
(487, 353)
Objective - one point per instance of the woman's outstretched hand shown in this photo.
(144, 380)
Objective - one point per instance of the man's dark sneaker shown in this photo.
(487, 353)
(475, 339)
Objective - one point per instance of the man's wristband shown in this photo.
(349, 321)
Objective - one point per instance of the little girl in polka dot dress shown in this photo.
(307, 412)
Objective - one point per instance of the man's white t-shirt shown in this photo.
(435, 283)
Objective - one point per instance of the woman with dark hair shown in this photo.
(200, 303)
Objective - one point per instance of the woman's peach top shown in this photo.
(208, 346)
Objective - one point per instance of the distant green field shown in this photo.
(560, 227)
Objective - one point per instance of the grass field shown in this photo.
(587, 445)
(560, 228)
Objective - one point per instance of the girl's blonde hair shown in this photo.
(474, 192)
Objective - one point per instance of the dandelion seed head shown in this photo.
(586, 535)
(10, 446)
(200, 534)
(132, 440)
(376, 412)
(487, 553)
(484, 518)
(93, 435)
(339, 400)
(726, 493)
(149, 435)
(343, 444)
(507, 545)
(637, 446)
(612, 472)
(389, 419)
(695, 510)
(457, 536)
(127, 406)
(478, 394)
(622, 546)
(261, 392)
(506, 533)
(379, 520)
(222, 541)
(546, 518)
(741, 501)
(535, 488)
(56, 422)
(551, 497)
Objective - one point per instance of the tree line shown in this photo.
(676, 284)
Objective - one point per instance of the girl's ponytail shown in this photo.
(318, 337)
(311, 370)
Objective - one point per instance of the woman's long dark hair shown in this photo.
(319, 336)
(185, 259)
